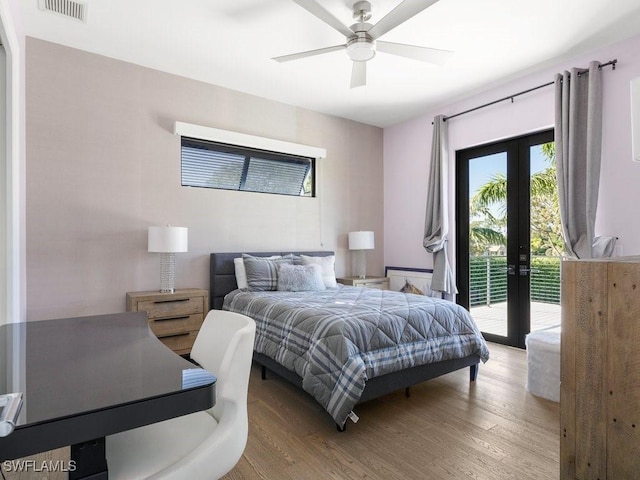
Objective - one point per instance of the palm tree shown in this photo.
(488, 207)
(487, 228)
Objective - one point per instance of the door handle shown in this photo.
(524, 270)
(510, 269)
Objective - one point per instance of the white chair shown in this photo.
(202, 445)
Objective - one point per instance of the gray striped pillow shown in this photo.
(262, 274)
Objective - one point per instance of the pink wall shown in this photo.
(407, 148)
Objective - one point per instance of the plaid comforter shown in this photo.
(336, 339)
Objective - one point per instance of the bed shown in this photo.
(346, 345)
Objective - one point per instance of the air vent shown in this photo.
(68, 8)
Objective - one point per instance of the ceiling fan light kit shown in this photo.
(361, 49)
(361, 37)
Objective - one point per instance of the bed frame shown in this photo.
(223, 281)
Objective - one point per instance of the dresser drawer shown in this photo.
(177, 324)
(180, 343)
(172, 307)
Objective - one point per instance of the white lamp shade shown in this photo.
(362, 240)
(168, 239)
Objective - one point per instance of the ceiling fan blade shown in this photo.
(319, 11)
(359, 74)
(424, 54)
(308, 53)
(398, 15)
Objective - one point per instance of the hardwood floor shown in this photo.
(448, 429)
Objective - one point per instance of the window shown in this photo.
(231, 167)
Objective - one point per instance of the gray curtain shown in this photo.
(436, 224)
(578, 138)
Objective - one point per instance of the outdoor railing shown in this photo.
(488, 279)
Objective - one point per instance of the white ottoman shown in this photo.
(543, 363)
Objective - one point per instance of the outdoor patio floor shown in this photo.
(493, 318)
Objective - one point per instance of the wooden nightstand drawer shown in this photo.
(175, 318)
(177, 324)
(180, 343)
(384, 285)
(381, 283)
(172, 307)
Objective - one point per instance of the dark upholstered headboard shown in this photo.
(222, 273)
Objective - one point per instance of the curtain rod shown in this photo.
(511, 97)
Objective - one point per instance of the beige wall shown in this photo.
(103, 165)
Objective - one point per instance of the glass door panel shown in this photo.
(506, 225)
(488, 296)
(546, 238)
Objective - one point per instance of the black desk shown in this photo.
(85, 378)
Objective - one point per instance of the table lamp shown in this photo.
(359, 242)
(168, 241)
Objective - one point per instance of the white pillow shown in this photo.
(328, 268)
(241, 273)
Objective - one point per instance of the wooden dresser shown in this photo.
(175, 318)
(600, 369)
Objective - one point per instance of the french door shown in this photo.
(497, 186)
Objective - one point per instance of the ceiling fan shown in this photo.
(362, 37)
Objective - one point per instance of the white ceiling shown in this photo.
(231, 42)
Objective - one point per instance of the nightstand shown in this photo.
(175, 318)
(381, 283)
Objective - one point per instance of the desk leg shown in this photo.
(90, 460)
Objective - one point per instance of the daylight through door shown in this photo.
(509, 237)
